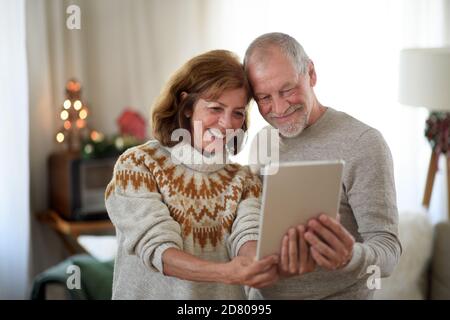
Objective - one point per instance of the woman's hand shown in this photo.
(242, 270)
(247, 271)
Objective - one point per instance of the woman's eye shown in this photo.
(215, 109)
(239, 114)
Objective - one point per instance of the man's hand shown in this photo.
(247, 271)
(295, 257)
(331, 244)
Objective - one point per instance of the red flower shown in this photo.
(132, 123)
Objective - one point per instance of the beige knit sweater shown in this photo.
(155, 202)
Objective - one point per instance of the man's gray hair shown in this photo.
(287, 44)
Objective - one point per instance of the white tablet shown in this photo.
(298, 192)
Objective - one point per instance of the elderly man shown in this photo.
(327, 258)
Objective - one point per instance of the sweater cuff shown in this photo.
(242, 241)
(157, 255)
(355, 262)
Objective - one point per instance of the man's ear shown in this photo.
(312, 74)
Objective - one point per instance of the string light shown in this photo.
(67, 104)
(64, 115)
(74, 114)
(88, 148)
(81, 123)
(83, 114)
(97, 136)
(60, 137)
(119, 143)
(77, 105)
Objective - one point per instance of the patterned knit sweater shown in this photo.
(157, 203)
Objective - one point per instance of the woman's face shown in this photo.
(210, 119)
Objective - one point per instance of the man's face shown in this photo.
(284, 97)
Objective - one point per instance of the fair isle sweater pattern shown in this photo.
(203, 203)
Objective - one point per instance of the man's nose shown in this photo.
(279, 105)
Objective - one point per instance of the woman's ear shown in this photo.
(183, 95)
(187, 113)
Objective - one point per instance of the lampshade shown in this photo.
(425, 78)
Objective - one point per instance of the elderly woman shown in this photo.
(187, 225)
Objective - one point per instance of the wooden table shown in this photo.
(70, 230)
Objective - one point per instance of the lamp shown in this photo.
(425, 82)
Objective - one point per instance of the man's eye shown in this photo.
(288, 91)
(263, 99)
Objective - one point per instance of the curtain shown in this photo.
(14, 173)
(122, 54)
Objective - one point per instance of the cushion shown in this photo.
(440, 266)
(96, 280)
(409, 279)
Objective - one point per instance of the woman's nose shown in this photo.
(225, 121)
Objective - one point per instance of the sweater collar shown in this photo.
(184, 153)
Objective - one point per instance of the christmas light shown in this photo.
(88, 148)
(81, 123)
(73, 85)
(60, 137)
(67, 104)
(119, 143)
(83, 114)
(64, 115)
(77, 105)
(97, 136)
(74, 114)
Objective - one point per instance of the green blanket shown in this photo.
(96, 278)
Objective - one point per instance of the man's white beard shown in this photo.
(293, 129)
